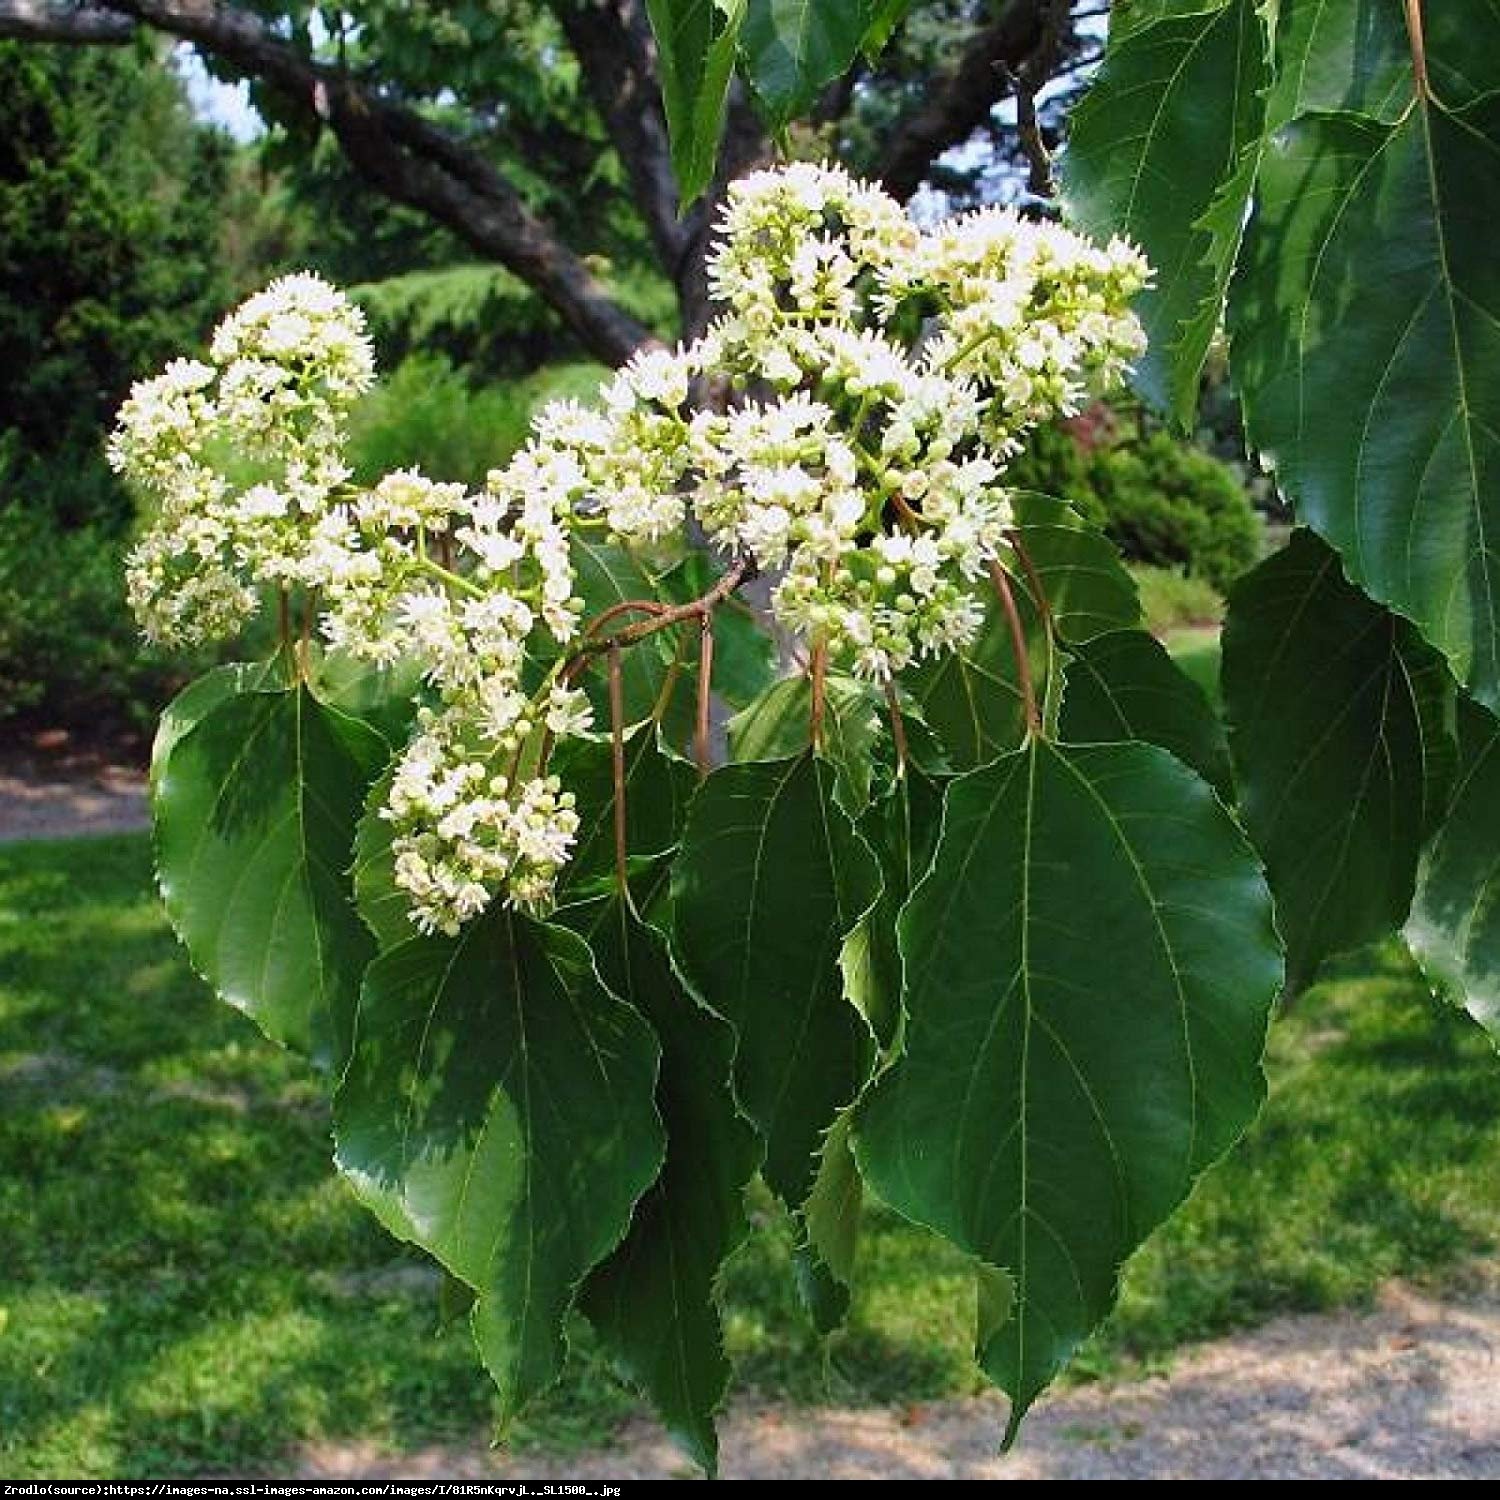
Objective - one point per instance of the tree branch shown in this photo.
(616, 50)
(55, 21)
(960, 103)
(393, 147)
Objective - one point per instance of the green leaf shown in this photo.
(652, 1301)
(1089, 590)
(1091, 964)
(1454, 928)
(1338, 721)
(205, 693)
(385, 698)
(1366, 335)
(255, 807)
(607, 575)
(776, 726)
(695, 48)
(791, 49)
(381, 903)
(1162, 149)
(770, 878)
(971, 700)
(1355, 56)
(901, 829)
(1125, 686)
(658, 788)
(823, 1262)
(498, 1111)
(744, 653)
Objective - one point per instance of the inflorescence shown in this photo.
(871, 381)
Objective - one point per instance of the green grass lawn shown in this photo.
(186, 1287)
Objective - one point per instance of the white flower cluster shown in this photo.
(875, 380)
(242, 459)
(879, 379)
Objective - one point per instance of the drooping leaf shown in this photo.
(695, 48)
(1454, 927)
(1091, 963)
(255, 808)
(1162, 149)
(901, 830)
(770, 878)
(652, 1301)
(498, 1111)
(829, 1223)
(1338, 720)
(972, 700)
(1366, 333)
(791, 49)
(777, 724)
(1125, 686)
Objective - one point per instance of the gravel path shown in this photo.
(1408, 1390)
(94, 798)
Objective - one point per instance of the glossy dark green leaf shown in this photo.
(1454, 927)
(777, 725)
(695, 48)
(207, 692)
(791, 49)
(498, 1110)
(1162, 149)
(652, 1301)
(1366, 334)
(770, 879)
(255, 808)
(1125, 686)
(1091, 963)
(971, 700)
(1339, 724)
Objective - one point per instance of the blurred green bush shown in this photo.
(1162, 500)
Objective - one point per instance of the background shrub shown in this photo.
(1163, 501)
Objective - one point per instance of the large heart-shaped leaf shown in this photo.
(652, 1301)
(1366, 337)
(255, 807)
(770, 879)
(498, 1111)
(1125, 686)
(1338, 713)
(1162, 148)
(1454, 928)
(1091, 963)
